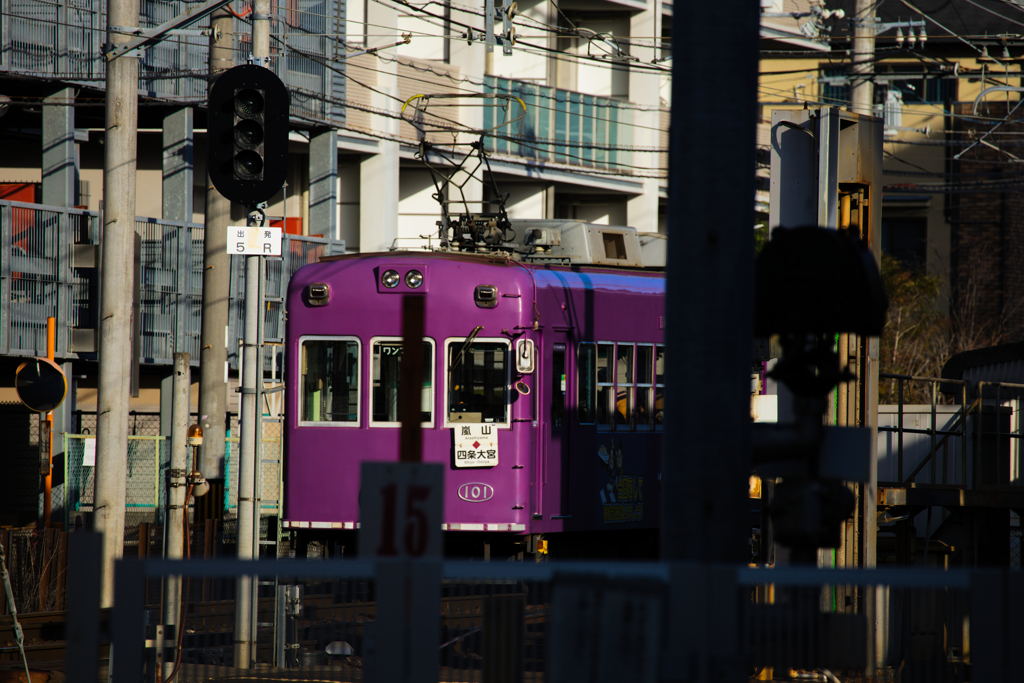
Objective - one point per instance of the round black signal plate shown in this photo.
(41, 384)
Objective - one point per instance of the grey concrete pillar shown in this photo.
(60, 177)
(178, 167)
(323, 183)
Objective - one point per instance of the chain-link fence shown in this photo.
(143, 495)
(148, 464)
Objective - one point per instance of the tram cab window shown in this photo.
(478, 379)
(384, 376)
(329, 386)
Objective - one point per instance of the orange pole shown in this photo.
(51, 343)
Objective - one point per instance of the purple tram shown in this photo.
(542, 391)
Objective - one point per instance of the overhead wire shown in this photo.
(993, 12)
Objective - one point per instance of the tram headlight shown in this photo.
(390, 279)
(413, 279)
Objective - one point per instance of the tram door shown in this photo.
(557, 475)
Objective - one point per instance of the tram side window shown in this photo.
(623, 386)
(644, 386)
(586, 394)
(659, 385)
(330, 380)
(385, 373)
(478, 381)
(605, 384)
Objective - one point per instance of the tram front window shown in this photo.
(330, 380)
(386, 370)
(477, 381)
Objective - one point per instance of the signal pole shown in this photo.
(249, 411)
(116, 277)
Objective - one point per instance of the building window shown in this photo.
(906, 238)
(329, 384)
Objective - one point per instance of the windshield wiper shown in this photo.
(458, 358)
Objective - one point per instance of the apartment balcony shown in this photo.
(63, 39)
(562, 127)
(48, 268)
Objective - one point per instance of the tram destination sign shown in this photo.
(253, 241)
(476, 445)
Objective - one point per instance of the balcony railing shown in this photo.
(63, 39)
(39, 279)
(562, 126)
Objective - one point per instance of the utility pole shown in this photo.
(176, 487)
(213, 355)
(862, 87)
(249, 414)
(116, 277)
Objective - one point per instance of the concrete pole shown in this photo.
(862, 88)
(176, 497)
(248, 526)
(116, 276)
(213, 354)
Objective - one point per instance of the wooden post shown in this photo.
(46, 565)
(62, 570)
(144, 532)
(5, 539)
(209, 551)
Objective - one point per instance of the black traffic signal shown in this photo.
(247, 134)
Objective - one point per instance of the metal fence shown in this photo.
(38, 279)
(350, 620)
(64, 39)
(148, 463)
(973, 443)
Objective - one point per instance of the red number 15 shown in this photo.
(416, 531)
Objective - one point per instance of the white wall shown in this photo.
(525, 64)
(598, 78)
(418, 211)
(526, 200)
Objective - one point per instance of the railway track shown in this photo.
(210, 626)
